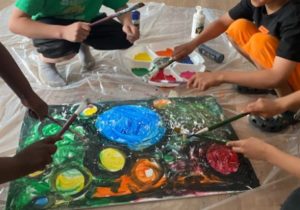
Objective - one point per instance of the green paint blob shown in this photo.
(79, 129)
(140, 71)
(51, 129)
(67, 153)
(169, 158)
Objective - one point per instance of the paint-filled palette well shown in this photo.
(174, 75)
(132, 151)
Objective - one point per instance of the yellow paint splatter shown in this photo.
(112, 159)
(143, 56)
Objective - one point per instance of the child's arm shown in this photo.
(270, 78)
(257, 149)
(269, 108)
(21, 23)
(31, 159)
(212, 31)
(13, 76)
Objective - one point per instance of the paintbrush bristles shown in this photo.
(82, 106)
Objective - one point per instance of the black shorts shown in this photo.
(105, 36)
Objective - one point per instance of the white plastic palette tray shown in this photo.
(195, 64)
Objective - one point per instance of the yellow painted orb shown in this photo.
(89, 111)
(70, 182)
(112, 159)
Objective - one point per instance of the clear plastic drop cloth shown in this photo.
(112, 80)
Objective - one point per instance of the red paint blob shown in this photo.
(187, 74)
(161, 76)
(165, 53)
(222, 159)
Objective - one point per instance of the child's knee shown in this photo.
(240, 26)
(263, 42)
(241, 30)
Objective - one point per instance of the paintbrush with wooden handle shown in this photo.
(218, 125)
(80, 108)
(117, 14)
(159, 64)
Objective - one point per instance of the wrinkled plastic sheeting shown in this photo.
(111, 79)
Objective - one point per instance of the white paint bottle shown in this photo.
(198, 22)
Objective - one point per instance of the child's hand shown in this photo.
(251, 148)
(132, 32)
(36, 156)
(204, 80)
(265, 107)
(76, 32)
(36, 105)
(183, 50)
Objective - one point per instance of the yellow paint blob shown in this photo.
(35, 174)
(112, 159)
(161, 103)
(143, 56)
(90, 111)
(70, 182)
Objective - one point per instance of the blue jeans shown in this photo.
(293, 201)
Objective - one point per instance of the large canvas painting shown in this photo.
(132, 151)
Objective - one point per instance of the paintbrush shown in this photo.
(117, 14)
(62, 125)
(220, 124)
(80, 108)
(159, 64)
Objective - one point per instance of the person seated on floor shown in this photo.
(258, 149)
(38, 155)
(61, 28)
(265, 31)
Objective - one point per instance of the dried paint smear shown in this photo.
(132, 151)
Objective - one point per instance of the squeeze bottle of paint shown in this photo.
(135, 17)
(198, 22)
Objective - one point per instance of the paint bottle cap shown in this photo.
(135, 15)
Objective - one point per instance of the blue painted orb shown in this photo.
(135, 126)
